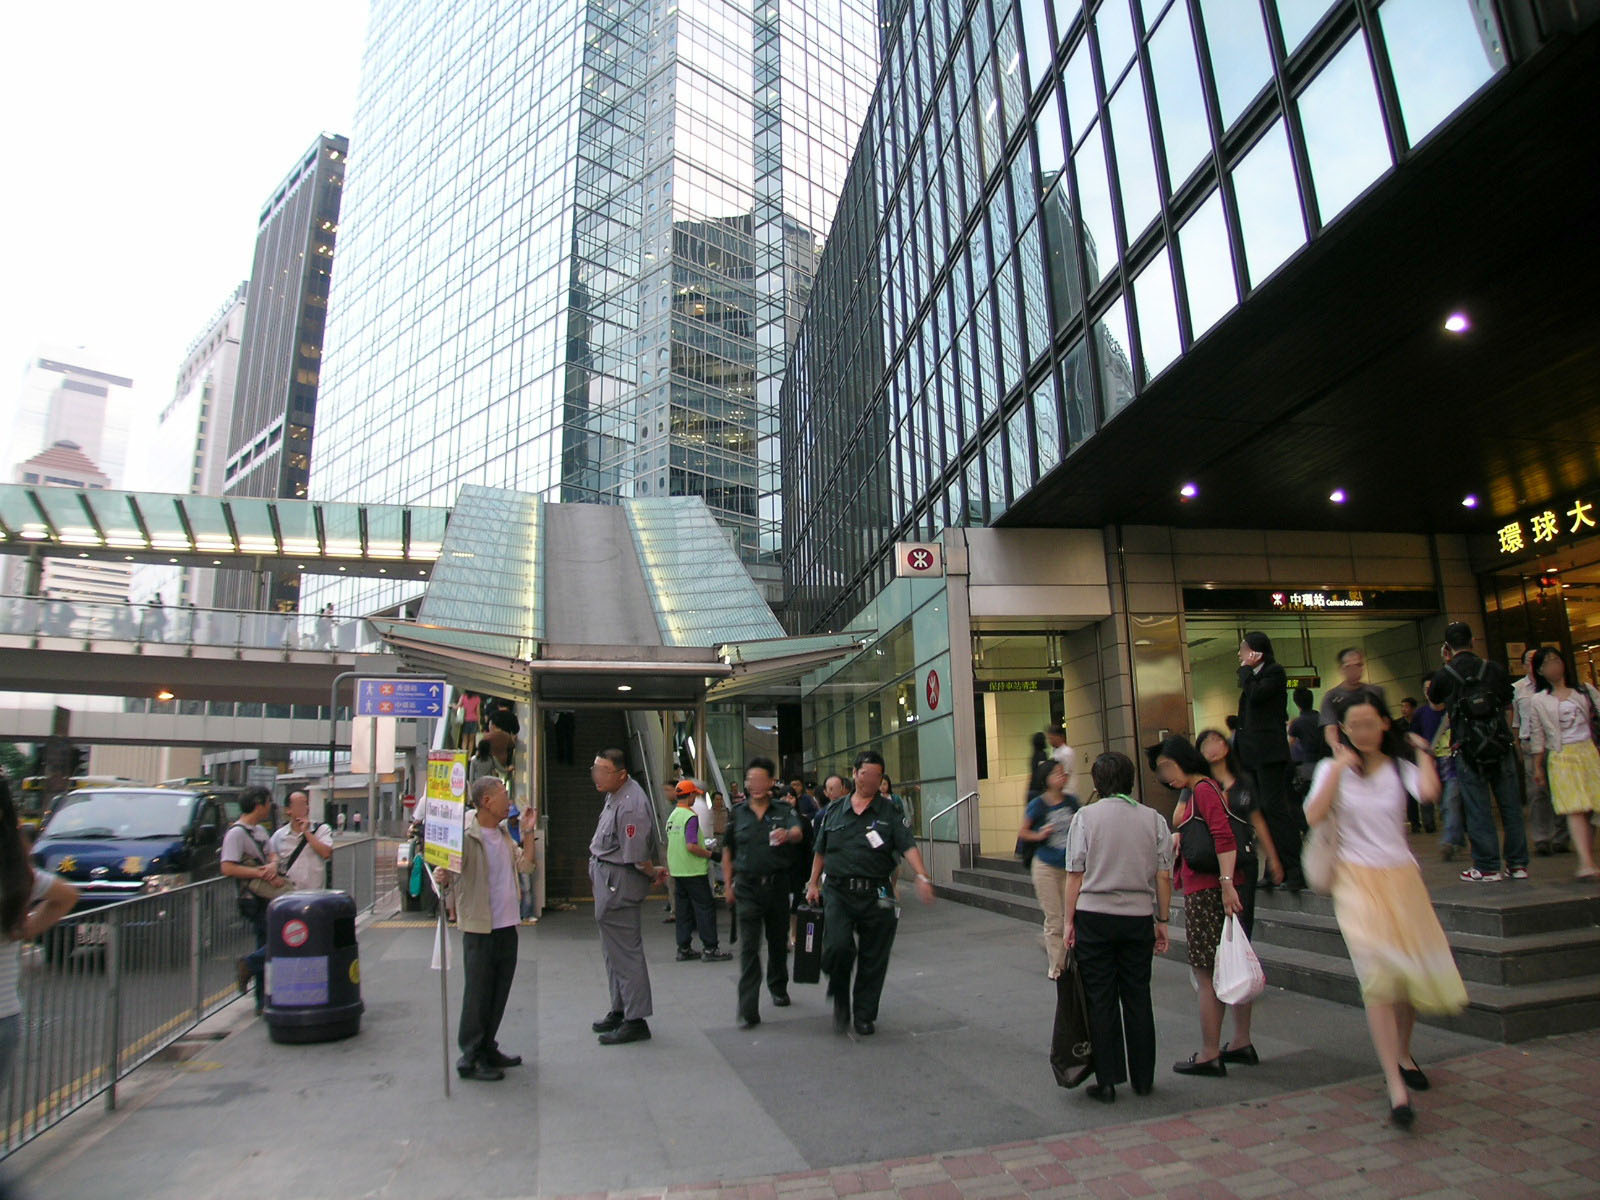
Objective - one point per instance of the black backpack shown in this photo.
(1481, 734)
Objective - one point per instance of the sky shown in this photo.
(142, 141)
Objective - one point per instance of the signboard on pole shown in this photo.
(400, 697)
(445, 810)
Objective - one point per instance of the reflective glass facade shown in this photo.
(578, 237)
(1051, 203)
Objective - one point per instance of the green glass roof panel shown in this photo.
(161, 521)
(427, 532)
(64, 507)
(487, 573)
(208, 524)
(699, 590)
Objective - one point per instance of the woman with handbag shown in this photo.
(1206, 851)
(1397, 947)
(1562, 716)
(1043, 840)
(1119, 895)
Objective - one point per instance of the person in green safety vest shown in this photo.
(691, 890)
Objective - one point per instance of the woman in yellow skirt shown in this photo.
(1562, 716)
(1399, 950)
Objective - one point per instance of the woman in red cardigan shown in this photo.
(1208, 895)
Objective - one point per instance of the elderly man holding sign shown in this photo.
(487, 898)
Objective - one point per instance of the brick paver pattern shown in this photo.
(1513, 1122)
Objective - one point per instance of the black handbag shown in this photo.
(807, 944)
(1195, 844)
(1071, 1043)
(1025, 851)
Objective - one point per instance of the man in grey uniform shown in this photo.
(622, 870)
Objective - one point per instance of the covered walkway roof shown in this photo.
(310, 536)
(641, 604)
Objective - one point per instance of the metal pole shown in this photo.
(194, 953)
(113, 1010)
(333, 733)
(372, 776)
(444, 993)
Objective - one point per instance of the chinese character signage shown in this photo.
(445, 809)
(1329, 600)
(1020, 685)
(1544, 528)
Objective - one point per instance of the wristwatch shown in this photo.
(923, 879)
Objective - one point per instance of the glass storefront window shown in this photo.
(1113, 25)
(1158, 316)
(1116, 370)
(1018, 443)
(1136, 165)
(1344, 129)
(1297, 18)
(1240, 60)
(1440, 55)
(1094, 202)
(1269, 205)
(1207, 266)
(1081, 101)
(1185, 137)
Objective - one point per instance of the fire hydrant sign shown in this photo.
(445, 810)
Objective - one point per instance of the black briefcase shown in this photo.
(807, 944)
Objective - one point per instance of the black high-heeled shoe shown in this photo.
(1413, 1077)
(1402, 1116)
(1104, 1092)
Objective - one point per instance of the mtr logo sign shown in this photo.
(918, 559)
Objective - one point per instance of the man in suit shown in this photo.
(1262, 743)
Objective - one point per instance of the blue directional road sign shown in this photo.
(399, 697)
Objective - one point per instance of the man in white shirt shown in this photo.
(1061, 752)
(307, 872)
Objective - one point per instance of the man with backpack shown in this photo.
(1475, 694)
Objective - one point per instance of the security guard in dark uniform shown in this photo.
(760, 851)
(859, 841)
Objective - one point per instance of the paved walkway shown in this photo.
(1501, 1124)
(959, 1061)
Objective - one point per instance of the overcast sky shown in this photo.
(141, 142)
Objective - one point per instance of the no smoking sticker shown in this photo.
(295, 933)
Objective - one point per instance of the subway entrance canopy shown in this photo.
(642, 604)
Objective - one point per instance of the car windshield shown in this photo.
(118, 814)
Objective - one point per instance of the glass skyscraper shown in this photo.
(577, 241)
(1052, 202)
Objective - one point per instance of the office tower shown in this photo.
(190, 449)
(68, 395)
(59, 577)
(280, 354)
(580, 237)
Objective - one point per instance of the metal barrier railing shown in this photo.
(110, 988)
(145, 624)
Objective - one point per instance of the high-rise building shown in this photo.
(59, 577)
(580, 237)
(1145, 325)
(280, 353)
(190, 448)
(70, 396)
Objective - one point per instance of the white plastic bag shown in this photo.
(1237, 976)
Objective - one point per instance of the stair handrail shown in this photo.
(933, 841)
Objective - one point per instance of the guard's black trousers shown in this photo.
(490, 960)
(858, 933)
(1114, 955)
(761, 907)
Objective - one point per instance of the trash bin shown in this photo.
(313, 978)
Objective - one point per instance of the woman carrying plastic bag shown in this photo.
(1237, 977)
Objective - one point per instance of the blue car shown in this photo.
(121, 842)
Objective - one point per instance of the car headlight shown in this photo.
(166, 883)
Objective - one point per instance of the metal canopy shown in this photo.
(310, 536)
(637, 605)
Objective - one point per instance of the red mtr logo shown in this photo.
(933, 689)
(920, 559)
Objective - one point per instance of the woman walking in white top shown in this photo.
(1398, 949)
(1562, 733)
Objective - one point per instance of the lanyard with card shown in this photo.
(874, 838)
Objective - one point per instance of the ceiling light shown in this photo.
(1457, 322)
(164, 695)
(1188, 491)
(1469, 501)
(624, 687)
(1337, 496)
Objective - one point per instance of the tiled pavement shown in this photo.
(1517, 1121)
